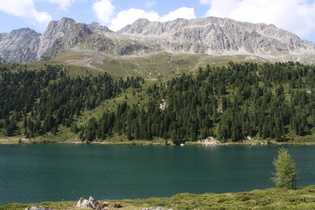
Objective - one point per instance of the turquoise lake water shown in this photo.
(56, 172)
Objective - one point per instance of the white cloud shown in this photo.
(296, 16)
(126, 17)
(104, 10)
(63, 4)
(41, 17)
(25, 9)
(183, 12)
(150, 3)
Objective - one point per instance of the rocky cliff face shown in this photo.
(212, 36)
(19, 46)
(218, 36)
(63, 34)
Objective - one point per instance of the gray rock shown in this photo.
(96, 27)
(218, 36)
(38, 208)
(80, 202)
(155, 208)
(211, 35)
(163, 104)
(2, 60)
(91, 203)
(60, 35)
(19, 46)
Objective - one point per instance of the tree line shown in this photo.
(230, 103)
(42, 100)
(270, 101)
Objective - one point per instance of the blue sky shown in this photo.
(297, 16)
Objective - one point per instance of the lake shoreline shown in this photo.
(160, 142)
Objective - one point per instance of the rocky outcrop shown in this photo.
(60, 35)
(25, 45)
(218, 36)
(19, 46)
(210, 141)
(96, 27)
(38, 208)
(210, 36)
(91, 204)
(163, 104)
(2, 60)
(130, 49)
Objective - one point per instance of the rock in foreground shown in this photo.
(91, 204)
(38, 208)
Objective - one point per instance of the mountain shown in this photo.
(19, 46)
(218, 36)
(91, 44)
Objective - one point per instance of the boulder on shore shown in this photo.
(91, 204)
(38, 208)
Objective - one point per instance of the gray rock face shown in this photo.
(212, 36)
(218, 36)
(38, 208)
(2, 60)
(59, 35)
(155, 208)
(19, 46)
(25, 45)
(96, 27)
(91, 204)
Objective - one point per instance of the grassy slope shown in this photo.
(149, 66)
(273, 198)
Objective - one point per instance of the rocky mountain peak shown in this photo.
(137, 27)
(220, 36)
(25, 31)
(140, 23)
(19, 45)
(96, 27)
(64, 25)
(61, 34)
(145, 27)
(210, 36)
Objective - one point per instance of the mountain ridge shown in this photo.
(206, 36)
(213, 31)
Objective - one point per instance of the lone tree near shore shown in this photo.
(286, 174)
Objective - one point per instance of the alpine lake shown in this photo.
(62, 172)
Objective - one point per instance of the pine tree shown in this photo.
(286, 174)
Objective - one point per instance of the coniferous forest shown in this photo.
(230, 103)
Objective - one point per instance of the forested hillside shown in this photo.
(43, 100)
(230, 103)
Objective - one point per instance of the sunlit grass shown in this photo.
(273, 198)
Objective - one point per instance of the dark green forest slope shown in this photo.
(231, 103)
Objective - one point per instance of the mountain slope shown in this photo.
(204, 36)
(219, 36)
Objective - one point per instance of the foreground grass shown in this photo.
(273, 198)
